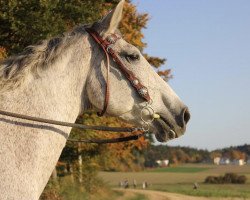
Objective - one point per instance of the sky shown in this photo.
(207, 46)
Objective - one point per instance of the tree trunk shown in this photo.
(79, 163)
(54, 175)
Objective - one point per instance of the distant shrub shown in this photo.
(230, 178)
(242, 179)
(210, 179)
(227, 178)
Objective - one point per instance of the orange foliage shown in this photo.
(112, 156)
(3, 53)
(131, 25)
(235, 154)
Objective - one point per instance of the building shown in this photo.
(224, 161)
(159, 162)
(165, 163)
(162, 163)
(239, 162)
(217, 160)
(227, 161)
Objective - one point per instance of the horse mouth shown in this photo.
(164, 131)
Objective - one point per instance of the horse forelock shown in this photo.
(36, 58)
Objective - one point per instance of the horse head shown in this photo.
(164, 114)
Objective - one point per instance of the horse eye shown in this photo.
(132, 57)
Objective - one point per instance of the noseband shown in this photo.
(106, 45)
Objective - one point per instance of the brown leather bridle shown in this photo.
(106, 45)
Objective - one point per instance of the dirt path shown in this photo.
(157, 195)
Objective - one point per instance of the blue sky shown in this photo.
(207, 45)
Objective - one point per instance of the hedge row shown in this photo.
(227, 178)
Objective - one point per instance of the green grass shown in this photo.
(180, 169)
(207, 190)
(180, 179)
(71, 190)
(175, 179)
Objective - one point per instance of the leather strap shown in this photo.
(73, 125)
(106, 45)
(107, 92)
(111, 140)
(139, 132)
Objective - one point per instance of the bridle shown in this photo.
(106, 45)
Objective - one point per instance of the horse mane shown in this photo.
(35, 59)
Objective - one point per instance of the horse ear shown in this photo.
(111, 21)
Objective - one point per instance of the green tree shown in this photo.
(23, 22)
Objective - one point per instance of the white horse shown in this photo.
(59, 79)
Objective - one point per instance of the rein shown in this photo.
(106, 45)
(140, 131)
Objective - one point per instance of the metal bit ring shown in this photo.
(145, 127)
(148, 108)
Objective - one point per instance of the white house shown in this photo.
(162, 163)
(165, 163)
(239, 162)
(159, 162)
(217, 160)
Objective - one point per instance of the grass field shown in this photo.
(206, 190)
(179, 169)
(180, 179)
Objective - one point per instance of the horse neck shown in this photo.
(58, 91)
(31, 149)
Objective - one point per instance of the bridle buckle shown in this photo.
(110, 46)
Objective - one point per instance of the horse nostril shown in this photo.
(186, 116)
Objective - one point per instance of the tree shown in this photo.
(20, 19)
(215, 154)
(112, 156)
